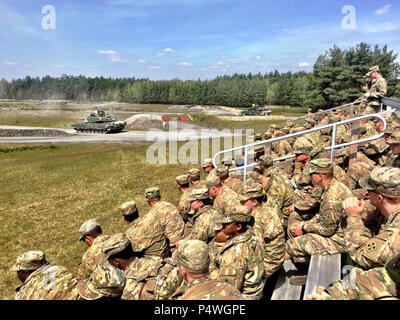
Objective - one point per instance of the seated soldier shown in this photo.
(41, 280)
(384, 193)
(129, 211)
(323, 234)
(267, 226)
(201, 216)
(236, 253)
(193, 262)
(183, 184)
(232, 183)
(91, 234)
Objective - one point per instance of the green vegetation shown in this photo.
(335, 80)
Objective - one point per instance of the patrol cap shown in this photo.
(309, 120)
(317, 151)
(374, 69)
(227, 161)
(212, 181)
(29, 261)
(182, 179)
(198, 194)
(115, 244)
(267, 135)
(303, 201)
(235, 214)
(302, 145)
(290, 124)
(367, 74)
(193, 255)
(250, 190)
(384, 180)
(279, 133)
(259, 148)
(153, 193)
(274, 126)
(207, 162)
(128, 208)
(320, 166)
(87, 227)
(368, 110)
(222, 171)
(258, 136)
(105, 281)
(194, 173)
(265, 160)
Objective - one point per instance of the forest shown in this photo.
(337, 77)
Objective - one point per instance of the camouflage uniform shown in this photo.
(168, 216)
(94, 256)
(239, 261)
(193, 255)
(46, 282)
(365, 250)
(323, 233)
(377, 91)
(393, 160)
(194, 173)
(148, 277)
(268, 228)
(105, 282)
(226, 198)
(375, 284)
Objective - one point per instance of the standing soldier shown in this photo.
(168, 216)
(267, 226)
(378, 89)
(324, 233)
(93, 237)
(236, 253)
(193, 261)
(383, 185)
(42, 281)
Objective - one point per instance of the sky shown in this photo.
(185, 39)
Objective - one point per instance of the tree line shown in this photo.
(336, 79)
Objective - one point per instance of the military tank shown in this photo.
(99, 121)
(256, 111)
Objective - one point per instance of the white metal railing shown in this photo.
(331, 147)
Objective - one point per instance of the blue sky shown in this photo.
(186, 39)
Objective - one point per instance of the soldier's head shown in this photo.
(214, 186)
(309, 111)
(198, 198)
(182, 182)
(153, 195)
(251, 194)
(321, 171)
(383, 185)
(89, 231)
(207, 165)
(227, 162)
(119, 251)
(193, 259)
(27, 263)
(265, 162)
(222, 173)
(194, 175)
(232, 223)
(129, 211)
(375, 72)
(106, 282)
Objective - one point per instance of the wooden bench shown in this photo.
(323, 271)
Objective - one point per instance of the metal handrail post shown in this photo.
(333, 141)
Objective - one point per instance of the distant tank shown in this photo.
(256, 111)
(99, 121)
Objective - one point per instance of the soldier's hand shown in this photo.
(309, 189)
(291, 208)
(353, 207)
(296, 230)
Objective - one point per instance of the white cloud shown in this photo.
(383, 10)
(303, 64)
(165, 51)
(258, 58)
(60, 66)
(141, 61)
(154, 67)
(219, 63)
(11, 63)
(185, 64)
(113, 55)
